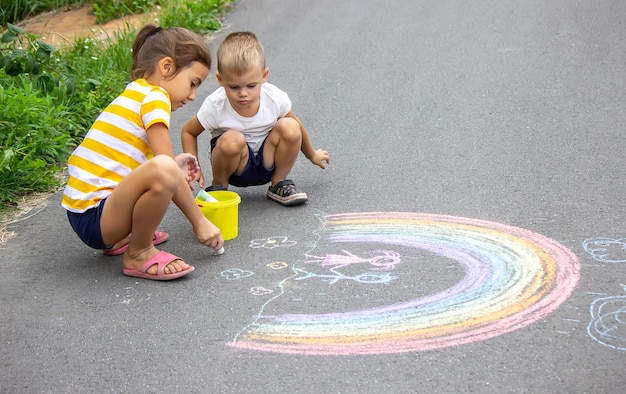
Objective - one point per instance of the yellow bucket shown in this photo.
(224, 213)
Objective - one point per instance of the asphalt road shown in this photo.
(468, 235)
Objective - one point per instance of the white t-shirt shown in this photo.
(217, 115)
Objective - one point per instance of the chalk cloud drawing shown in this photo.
(606, 250)
(513, 277)
(272, 242)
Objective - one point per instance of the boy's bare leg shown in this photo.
(282, 148)
(137, 206)
(230, 155)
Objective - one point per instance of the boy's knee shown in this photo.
(288, 123)
(289, 129)
(231, 143)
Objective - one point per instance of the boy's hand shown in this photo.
(319, 157)
(200, 179)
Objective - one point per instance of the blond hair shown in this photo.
(239, 53)
(153, 43)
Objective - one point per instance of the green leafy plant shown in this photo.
(103, 69)
(22, 53)
(33, 140)
(201, 16)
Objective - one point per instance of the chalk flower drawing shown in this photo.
(259, 290)
(277, 265)
(236, 273)
(272, 242)
(606, 250)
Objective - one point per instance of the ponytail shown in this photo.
(153, 43)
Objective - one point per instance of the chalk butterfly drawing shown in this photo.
(386, 261)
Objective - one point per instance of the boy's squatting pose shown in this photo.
(255, 136)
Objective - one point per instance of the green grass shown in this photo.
(12, 11)
(106, 10)
(16, 10)
(52, 95)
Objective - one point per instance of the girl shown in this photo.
(123, 175)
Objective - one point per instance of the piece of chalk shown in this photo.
(204, 196)
(219, 251)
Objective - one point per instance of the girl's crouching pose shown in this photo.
(124, 175)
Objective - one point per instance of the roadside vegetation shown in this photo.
(52, 95)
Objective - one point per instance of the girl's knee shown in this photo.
(163, 162)
(165, 169)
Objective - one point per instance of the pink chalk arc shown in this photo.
(513, 277)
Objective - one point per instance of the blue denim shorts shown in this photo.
(255, 173)
(87, 226)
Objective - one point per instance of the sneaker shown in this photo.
(214, 188)
(285, 193)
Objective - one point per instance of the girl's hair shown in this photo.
(240, 52)
(153, 43)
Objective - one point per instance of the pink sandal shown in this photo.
(161, 259)
(159, 238)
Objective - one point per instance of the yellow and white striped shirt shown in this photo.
(116, 144)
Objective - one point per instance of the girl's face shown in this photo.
(182, 87)
(243, 90)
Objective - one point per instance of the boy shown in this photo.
(255, 136)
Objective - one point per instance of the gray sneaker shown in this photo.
(214, 188)
(285, 193)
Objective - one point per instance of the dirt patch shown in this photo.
(62, 27)
(26, 207)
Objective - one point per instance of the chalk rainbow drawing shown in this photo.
(513, 277)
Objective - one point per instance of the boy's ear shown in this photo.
(265, 73)
(166, 66)
(219, 78)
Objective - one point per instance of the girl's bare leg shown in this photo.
(282, 148)
(137, 206)
(121, 243)
(230, 155)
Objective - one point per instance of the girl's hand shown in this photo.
(199, 178)
(319, 157)
(189, 166)
(209, 235)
